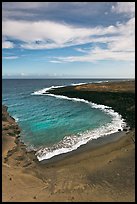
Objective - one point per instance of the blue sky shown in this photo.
(68, 39)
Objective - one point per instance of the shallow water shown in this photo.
(55, 124)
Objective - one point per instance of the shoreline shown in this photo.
(89, 169)
(113, 94)
(91, 145)
(14, 142)
(22, 166)
(64, 94)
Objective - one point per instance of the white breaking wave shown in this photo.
(78, 84)
(70, 143)
(42, 91)
(16, 118)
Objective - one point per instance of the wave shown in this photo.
(5, 99)
(16, 104)
(43, 91)
(102, 81)
(16, 118)
(78, 84)
(70, 143)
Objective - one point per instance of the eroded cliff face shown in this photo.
(10, 132)
(9, 125)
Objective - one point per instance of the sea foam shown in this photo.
(72, 142)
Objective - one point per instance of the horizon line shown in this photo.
(77, 78)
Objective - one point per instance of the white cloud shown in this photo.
(55, 61)
(46, 34)
(11, 57)
(119, 39)
(36, 31)
(81, 50)
(120, 47)
(7, 44)
(100, 54)
(49, 35)
(124, 7)
(22, 74)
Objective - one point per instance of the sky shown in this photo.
(68, 39)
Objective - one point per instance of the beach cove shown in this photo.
(94, 172)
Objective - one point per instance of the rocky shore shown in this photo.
(118, 95)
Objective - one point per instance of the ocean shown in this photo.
(52, 125)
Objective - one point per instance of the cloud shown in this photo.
(56, 61)
(10, 57)
(49, 31)
(81, 50)
(24, 5)
(7, 45)
(22, 74)
(59, 10)
(120, 46)
(124, 7)
(46, 34)
(119, 39)
(49, 35)
(100, 54)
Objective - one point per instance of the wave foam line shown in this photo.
(42, 91)
(70, 143)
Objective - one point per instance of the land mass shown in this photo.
(118, 95)
(103, 173)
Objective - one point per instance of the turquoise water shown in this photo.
(53, 125)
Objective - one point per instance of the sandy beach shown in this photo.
(97, 172)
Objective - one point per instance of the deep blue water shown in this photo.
(48, 122)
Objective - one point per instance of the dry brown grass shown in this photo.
(125, 86)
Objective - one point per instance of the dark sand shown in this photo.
(103, 170)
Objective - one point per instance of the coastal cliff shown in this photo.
(10, 132)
